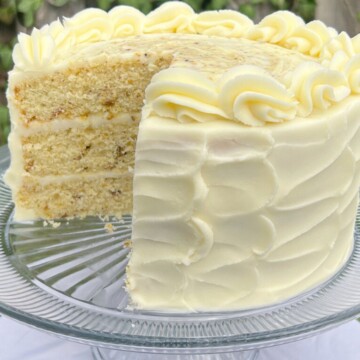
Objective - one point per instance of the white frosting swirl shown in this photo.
(310, 39)
(250, 95)
(90, 25)
(34, 51)
(317, 87)
(185, 95)
(63, 38)
(205, 240)
(352, 72)
(356, 43)
(126, 21)
(275, 28)
(171, 17)
(341, 42)
(337, 62)
(226, 23)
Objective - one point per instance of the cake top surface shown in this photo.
(224, 65)
(49, 45)
(192, 51)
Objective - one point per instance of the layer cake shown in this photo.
(234, 145)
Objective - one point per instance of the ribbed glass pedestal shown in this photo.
(108, 354)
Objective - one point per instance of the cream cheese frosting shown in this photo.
(92, 25)
(245, 217)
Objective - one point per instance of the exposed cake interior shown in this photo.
(81, 134)
(81, 137)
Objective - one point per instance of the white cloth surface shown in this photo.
(19, 342)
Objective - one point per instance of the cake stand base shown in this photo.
(108, 354)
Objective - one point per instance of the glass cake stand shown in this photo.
(67, 279)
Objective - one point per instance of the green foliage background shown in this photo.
(24, 11)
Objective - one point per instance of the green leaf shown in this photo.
(104, 4)
(27, 10)
(195, 4)
(29, 19)
(25, 6)
(4, 124)
(257, 2)
(217, 4)
(58, 3)
(280, 4)
(7, 11)
(306, 10)
(248, 10)
(13, 41)
(5, 133)
(5, 57)
(143, 5)
(3, 115)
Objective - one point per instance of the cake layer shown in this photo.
(111, 77)
(74, 196)
(231, 217)
(107, 86)
(81, 149)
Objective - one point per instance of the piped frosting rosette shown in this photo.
(246, 94)
(252, 96)
(317, 87)
(91, 25)
(275, 28)
(185, 95)
(126, 21)
(343, 54)
(352, 72)
(341, 42)
(337, 62)
(64, 38)
(225, 23)
(288, 30)
(34, 51)
(309, 39)
(171, 17)
(356, 43)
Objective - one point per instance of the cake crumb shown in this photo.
(54, 224)
(104, 218)
(109, 228)
(130, 169)
(127, 243)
